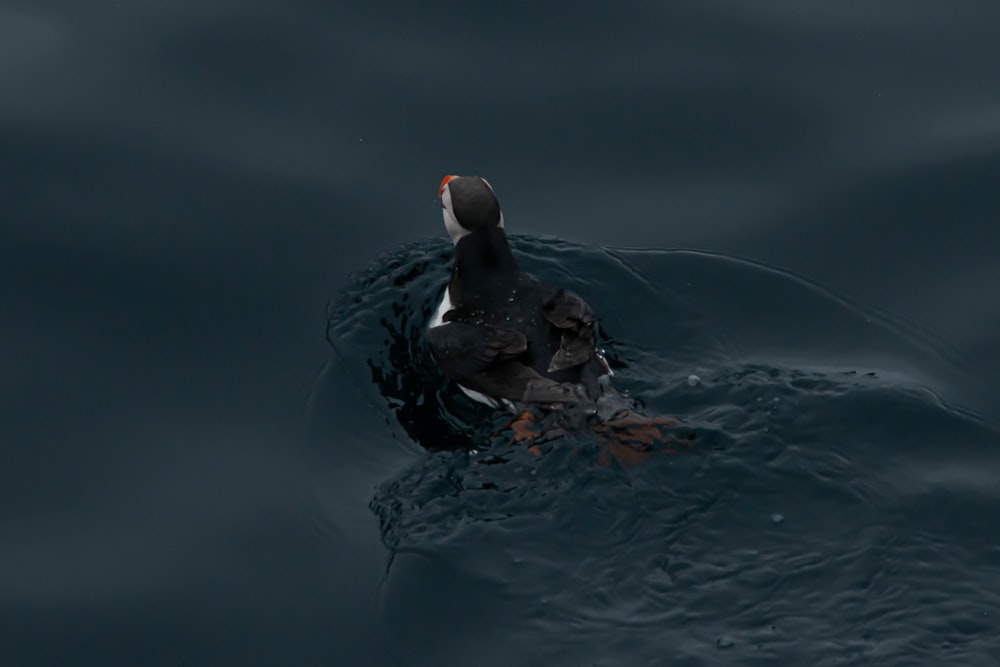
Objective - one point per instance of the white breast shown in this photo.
(437, 319)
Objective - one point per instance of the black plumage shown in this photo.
(507, 336)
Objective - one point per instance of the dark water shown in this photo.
(796, 202)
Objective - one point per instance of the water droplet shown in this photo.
(777, 517)
(693, 380)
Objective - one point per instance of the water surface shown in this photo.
(794, 201)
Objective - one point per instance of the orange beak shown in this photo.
(444, 182)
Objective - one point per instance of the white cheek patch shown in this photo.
(490, 186)
(455, 230)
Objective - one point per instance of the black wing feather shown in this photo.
(571, 314)
(484, 358)
(463, 349)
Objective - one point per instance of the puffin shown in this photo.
(508, 340)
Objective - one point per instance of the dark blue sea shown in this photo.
(223, 442)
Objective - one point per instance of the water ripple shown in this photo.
(785, 529)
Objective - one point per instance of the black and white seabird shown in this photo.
(505, 338)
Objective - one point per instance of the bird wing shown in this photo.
(571, 314)
(463, 349)
(484, 358)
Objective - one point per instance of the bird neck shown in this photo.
(483, 258)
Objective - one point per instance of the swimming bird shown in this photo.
(507, 339)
